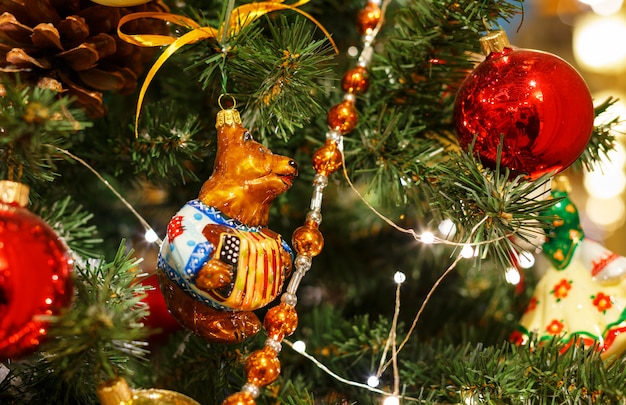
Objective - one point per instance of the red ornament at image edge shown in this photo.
(536, 101)
(35, 273)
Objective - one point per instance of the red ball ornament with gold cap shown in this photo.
(532, 103)
(35, 273)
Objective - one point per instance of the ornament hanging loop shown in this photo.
(227, 117)
(234, 101)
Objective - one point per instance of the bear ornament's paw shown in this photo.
(214, 274)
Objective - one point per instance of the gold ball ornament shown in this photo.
(355, 80)
(327, 159)
(121, 3)
(117, 392)
(240, 398)
(308, 240)
(368, 18)
(262, 367)
(281, 321)
(343, 117)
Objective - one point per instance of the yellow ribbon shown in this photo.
(239, 18)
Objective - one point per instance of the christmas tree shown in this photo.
(115, 113)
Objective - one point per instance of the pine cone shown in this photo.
(72, 45)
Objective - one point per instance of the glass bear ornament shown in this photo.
(219, 261)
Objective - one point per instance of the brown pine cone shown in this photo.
(73, 46)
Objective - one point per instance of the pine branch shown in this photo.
(602, 140)
(34, 123)
(489, 207)
(276, 74)
(71, 223)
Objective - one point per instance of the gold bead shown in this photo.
(240, 398)
(368, 18)
(307, 240)
(342, 117)
(281, 321)
(355, 80)
(327, 159)
(262, 367)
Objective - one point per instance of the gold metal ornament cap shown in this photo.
(12, 192)
(229, 117)
(115, 392)
(494, 41)
(561, 183)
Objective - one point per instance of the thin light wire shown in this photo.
(436, 239)
(143, 222)
(423, 306)
(343, 380)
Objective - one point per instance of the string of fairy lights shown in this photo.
(604, 185)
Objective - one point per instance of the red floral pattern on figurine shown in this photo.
(174, 228)
(578, 307)
(602, 302)
(555, 327)
(561, 289)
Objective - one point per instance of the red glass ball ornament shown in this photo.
(536, 102)
(35, 273)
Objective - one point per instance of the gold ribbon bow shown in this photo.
(239, 18)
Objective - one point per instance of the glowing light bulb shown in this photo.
(447, 228)
(399, 277)
(373, 381)
(593, 51)
(608, 213)
(526, 260)
(428, 237)
(151, 236)
(299, 346)
(467, 251)
(391, 400)
(512, 276)
(604, 7)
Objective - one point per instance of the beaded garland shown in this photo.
(262, 367)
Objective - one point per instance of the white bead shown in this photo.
(320, 180)
(289, 299)
(334, 135)
(314, 216)
(303, 262)
(252, 389)
(275, 345)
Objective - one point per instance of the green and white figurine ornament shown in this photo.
(581, 298)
